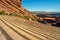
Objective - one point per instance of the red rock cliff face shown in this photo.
(14, 6)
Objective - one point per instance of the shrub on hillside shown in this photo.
(26, 17)
(2, 12)
(34, 19)
(13, 14)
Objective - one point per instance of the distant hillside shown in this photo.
(55, 14)
(38, 12)
(45, 14)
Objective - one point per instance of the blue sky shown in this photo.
(42, 5)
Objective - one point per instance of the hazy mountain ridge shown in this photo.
(43, 12)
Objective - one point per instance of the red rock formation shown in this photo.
(14, 6)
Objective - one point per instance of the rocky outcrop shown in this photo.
(14, 6)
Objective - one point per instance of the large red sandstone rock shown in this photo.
(14, 6)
